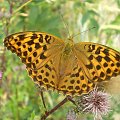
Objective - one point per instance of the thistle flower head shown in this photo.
(71, 115)
(96, 102)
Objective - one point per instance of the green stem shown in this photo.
(17, 106)
(21, 7)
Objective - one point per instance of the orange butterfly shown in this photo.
(71, 68)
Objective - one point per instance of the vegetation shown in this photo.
(19, 97)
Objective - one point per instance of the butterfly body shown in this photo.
(72, 68)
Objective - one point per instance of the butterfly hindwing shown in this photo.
(76, 83)
(45, 76)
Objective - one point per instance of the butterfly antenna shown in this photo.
(83, 31)
(65, 24)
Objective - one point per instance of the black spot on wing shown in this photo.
(48, 67)
(25, 53)
(98, 67)
(106, 51)
(18, 43)
(42, 56)
(102, 74)
(97, 51)
(41, 38)
(90, 66)
(35, 54)
(105, 64)
(118, 64)
(21, 37)
(72, 81)
(99, 58)
(34, 36)
(30, 49)
(29, 59)
(30, 42)
(44, 47)
(37, 45)
(47, 38)
(91, 57)
(107, 58)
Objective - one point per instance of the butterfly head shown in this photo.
(70, 38)
(68, 46)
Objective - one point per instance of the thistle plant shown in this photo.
(96, 102)
(71, 115)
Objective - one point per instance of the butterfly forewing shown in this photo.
(99, 62)
(34, 48)
(37, 51)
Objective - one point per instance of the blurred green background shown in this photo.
(19, 97)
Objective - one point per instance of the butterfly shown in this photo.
(71, 68)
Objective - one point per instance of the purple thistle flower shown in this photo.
(1, 74)
(96, 102)
(71, 115)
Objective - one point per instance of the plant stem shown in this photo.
(70, 99)
(22, 6)
(47, 113)
(42, 97)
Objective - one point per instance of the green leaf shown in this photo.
(32, 116)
